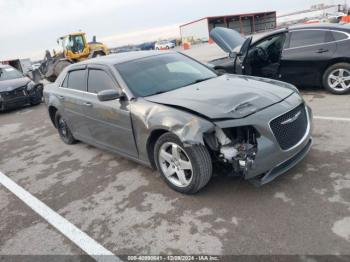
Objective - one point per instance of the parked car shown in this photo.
(307, 55)
(170, 112)
(17, 90)
(164, 44)
(147, 46)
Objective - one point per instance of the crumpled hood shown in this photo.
(228, 96)
(12, 84)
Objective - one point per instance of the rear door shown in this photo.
(306, 53)
(73, 101)
(110, 121)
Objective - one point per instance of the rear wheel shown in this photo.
(184, 169)
(99, 54)
(336, 78)
(63, 130)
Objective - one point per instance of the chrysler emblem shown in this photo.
(292, 119)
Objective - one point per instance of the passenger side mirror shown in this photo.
(107, 95)
(233, 54)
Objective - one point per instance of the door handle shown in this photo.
(320, 51)
(61, 97)
(88, 104)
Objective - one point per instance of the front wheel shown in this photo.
(336, 79)
(184, 169)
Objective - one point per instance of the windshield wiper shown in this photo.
(199, 80)
(202, 80)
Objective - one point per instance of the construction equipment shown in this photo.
(75, 49)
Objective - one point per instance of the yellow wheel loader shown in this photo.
(75, 49)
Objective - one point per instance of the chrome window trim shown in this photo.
(86, 92)
(316, 29)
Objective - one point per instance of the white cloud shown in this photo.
(24, 17)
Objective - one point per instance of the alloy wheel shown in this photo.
(339, 79)
(175, 164)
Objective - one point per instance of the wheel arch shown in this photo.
(52, 114)
(151, 141)
(333, 62)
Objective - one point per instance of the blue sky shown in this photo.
(28, 27)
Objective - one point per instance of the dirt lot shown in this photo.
(128, 209)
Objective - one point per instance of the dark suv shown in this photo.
(307, 55)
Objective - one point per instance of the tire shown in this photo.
(167, 47)
(197, 156)
(333, 75)
(66, 136)
(98, 54)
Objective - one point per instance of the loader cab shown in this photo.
(75, 46)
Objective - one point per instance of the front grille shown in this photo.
(19, 92)
(291, 127)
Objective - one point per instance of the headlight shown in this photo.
(30, 86)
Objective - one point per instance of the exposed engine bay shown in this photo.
(235, 146)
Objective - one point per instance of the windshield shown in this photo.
(162, 73)
(8, 73)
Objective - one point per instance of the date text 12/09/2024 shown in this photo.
(174, 258)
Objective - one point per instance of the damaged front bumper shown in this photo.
(274, 154)
(14, 103)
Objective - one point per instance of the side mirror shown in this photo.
(233, 54)
(107, 95)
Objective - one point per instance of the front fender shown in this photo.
(148, 117)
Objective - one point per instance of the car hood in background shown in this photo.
(227, 39)
(227, 96)
(9, 85)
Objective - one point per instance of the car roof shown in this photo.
(341, 27)
(122, 57)
(329, 26)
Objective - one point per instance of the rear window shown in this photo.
(77, 80)
(308, 37)
(339, 36)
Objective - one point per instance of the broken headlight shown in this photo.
(30, 86)
(237, 146)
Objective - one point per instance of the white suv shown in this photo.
(164, 44)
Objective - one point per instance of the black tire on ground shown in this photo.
(51, 78)
(200, 160)
(328, 73)
(63, 130)
(97, 54)
(167, 47)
